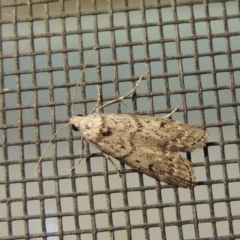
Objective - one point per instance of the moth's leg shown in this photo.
(80, 79)
(81, 158)
(97, 109)
(108, 158)
(171, 113)
(98, 101)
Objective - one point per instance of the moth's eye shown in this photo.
(74, 128)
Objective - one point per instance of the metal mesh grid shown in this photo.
(189, 53)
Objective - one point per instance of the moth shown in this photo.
(150, 145)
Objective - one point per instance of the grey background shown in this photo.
(40, 67)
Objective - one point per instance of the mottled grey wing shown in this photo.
(168, 134)
(161, 133)
(155, 132)
(163, 165)
(149, 145)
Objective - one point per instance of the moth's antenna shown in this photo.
(80, 78)
(45, 149)
(120, 98)
(74, 94)
(99, 98)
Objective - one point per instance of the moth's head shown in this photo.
(91, 126)
(74, 121)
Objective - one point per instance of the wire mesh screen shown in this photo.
(189, 54)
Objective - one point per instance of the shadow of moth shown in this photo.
(149, 145)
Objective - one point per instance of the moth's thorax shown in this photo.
(90, 126)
